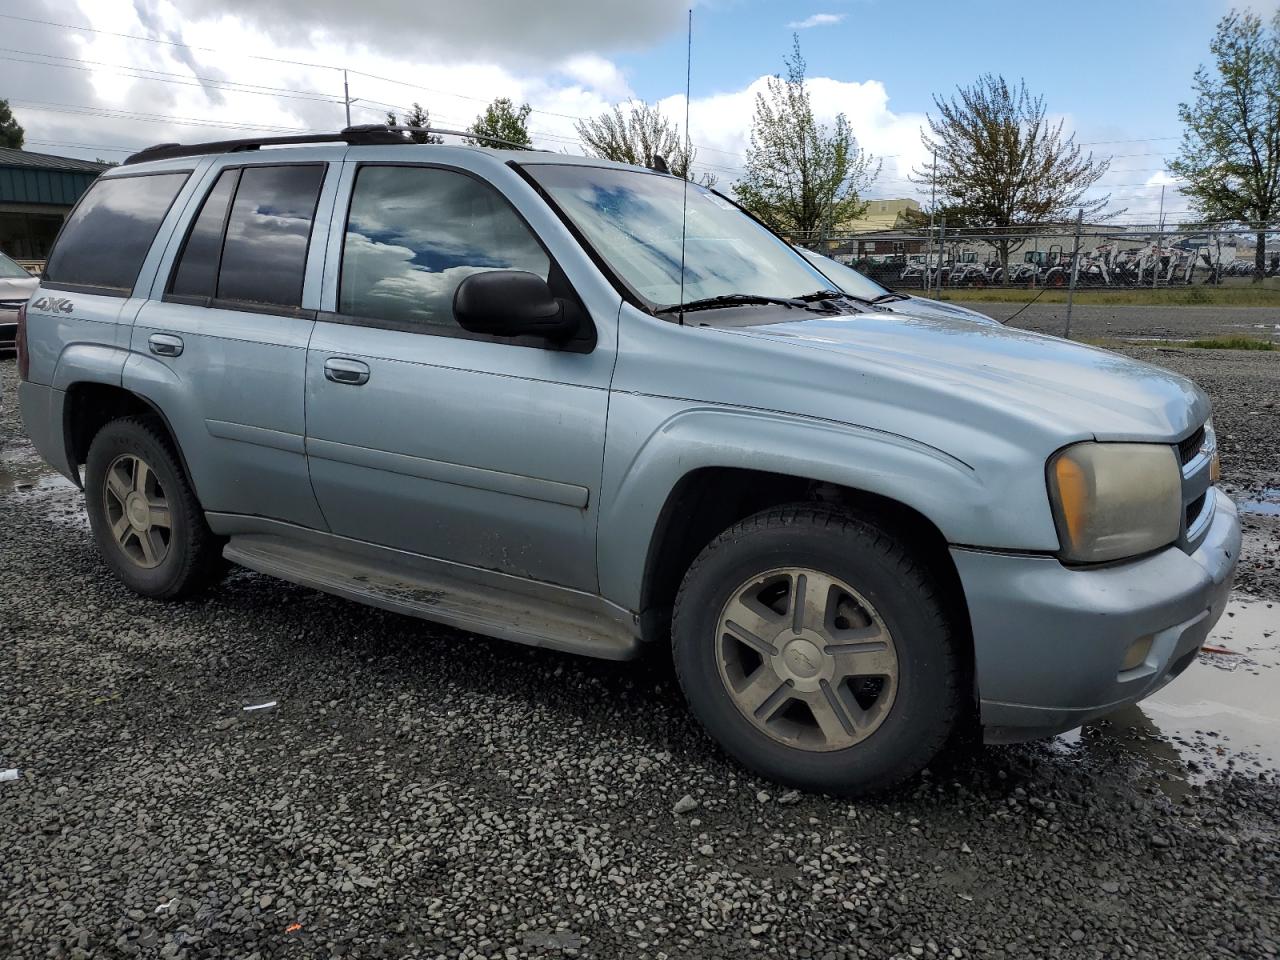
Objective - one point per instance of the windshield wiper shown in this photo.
(732, 300)
(890, 297)
(818, 296)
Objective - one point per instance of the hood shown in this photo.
(923, 307)
(987, 370)
(17, 288)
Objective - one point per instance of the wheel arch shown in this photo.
(708, 500)
(90, 405)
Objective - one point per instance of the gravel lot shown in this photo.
(416, 791)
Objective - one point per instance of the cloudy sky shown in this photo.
(98, 78)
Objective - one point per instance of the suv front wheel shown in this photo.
(813, 647)
(146, 520)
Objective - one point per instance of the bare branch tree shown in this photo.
(1230, 152)
(636, 135)
(1001, 161)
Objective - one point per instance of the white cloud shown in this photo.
(454, 31)
(816, 20)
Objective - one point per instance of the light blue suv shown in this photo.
(587, 406)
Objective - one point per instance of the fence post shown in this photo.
(942, 239)
(1075, 270)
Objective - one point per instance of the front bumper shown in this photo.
(1050, 640)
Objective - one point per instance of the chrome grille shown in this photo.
(1195, 454)
(1189, 447)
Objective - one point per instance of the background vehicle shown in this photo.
(16, 285)
(587, 406)
(882, 298)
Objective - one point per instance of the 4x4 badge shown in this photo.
(54, 304)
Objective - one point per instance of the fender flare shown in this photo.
(635, 491)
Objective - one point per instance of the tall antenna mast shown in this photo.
(688, 156)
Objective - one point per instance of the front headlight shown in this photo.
(1114, 500)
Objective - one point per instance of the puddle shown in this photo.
(1266, 503)
(1222, 715)
(23, 474)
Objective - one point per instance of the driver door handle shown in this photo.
(341, 370)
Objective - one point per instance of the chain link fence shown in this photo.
(1100, 255)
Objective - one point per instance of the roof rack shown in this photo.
(368, 134)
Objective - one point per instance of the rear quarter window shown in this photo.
(107, 236)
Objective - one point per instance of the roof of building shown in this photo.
(47, 161)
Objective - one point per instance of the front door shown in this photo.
(422, 437)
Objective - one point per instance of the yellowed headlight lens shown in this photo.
(1115, 500)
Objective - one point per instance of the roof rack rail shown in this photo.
(364, 135)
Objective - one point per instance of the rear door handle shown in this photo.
(165, 345)
(341, 370)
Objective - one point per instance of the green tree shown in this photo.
(802, 177)
(1000, 160)
(417, 117)
(636, 135)
(501, 119)
(1230, 151)
(11, 133)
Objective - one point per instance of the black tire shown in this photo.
(193, 555)
(928, 704)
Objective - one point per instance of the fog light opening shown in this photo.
(1136, 654)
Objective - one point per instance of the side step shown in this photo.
(571, 621)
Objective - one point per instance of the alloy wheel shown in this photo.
(138, 511)
(806, 659)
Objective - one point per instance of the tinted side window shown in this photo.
(415, 233)
(107, 237)
(265, 253)
(197, 271)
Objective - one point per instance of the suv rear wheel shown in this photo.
(813, 647)
(145, 518)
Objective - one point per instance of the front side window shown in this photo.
(108, 235)
(264, 256)
(635, 222)
(415, 233)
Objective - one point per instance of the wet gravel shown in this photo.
(416, 791)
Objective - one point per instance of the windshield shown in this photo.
(846, 278)
(633, 220)
(11, 271)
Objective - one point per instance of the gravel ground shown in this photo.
(417, 791)
(1092, 321)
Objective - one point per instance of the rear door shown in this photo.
(424, 437)
(222, 344)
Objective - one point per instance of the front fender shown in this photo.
(653, 442)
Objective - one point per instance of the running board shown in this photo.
(587, 625)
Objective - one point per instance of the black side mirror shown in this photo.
(511, 303)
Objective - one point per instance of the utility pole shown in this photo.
(933, 205)
(346, 95)
(1075, 270)
(1155, 266)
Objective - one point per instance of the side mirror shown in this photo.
(511, 303)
